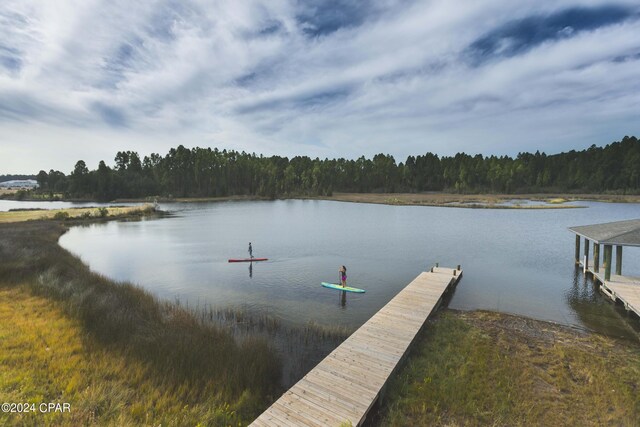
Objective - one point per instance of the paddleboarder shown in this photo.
(250, 251)
(343, 275)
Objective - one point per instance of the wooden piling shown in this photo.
(596, 257)
(608, 249)
(577, 249)
(619, 260)
(586, 254)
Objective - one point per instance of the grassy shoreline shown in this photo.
(486, 368)
(103, 213)
(153, 362)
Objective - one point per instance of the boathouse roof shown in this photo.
(623, 233)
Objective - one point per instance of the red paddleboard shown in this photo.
(248, 259)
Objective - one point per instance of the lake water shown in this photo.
(514, 261)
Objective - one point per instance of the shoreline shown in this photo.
(79, 214)
(481, 201)
(435, 199)
(448, 200)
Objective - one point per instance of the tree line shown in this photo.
(9, 177)
(207, 172)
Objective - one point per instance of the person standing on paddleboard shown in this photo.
(343, 275)
(250, 251)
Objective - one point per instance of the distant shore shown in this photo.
(477, 201)
(482, 201)
(451, 200)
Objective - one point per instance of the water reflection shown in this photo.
(595, 312)
(250, 270)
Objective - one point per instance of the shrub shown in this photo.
(62, 215)
(103, 212)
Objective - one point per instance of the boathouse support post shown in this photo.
(596, 257)
(608, 249)
(577, 249)
(619, 260)
(586, 255)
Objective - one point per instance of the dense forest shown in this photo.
(204, 172)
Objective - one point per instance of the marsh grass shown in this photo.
(475, 369)
(48, 357)
(188, 362)
(299, 348)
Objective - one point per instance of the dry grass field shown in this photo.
(42, 214)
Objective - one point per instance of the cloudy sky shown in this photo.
(335, 78)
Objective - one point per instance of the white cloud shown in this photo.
(113, 75)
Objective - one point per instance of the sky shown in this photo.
(333, 78)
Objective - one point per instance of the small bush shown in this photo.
(62, 215)
(103, 212)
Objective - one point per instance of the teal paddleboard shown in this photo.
(340, 288)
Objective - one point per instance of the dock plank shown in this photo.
(328, 380)
(323, 387)
(345, 384)
(342, 403)
(623, 288)
(353, 357)
(317, 403)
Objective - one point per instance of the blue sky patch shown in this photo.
(517, 37)
(110, 115)
(10, 59)
(322, 17)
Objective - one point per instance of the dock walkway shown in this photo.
(626, 289)
(343, 387)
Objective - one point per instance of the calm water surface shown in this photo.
(514, 261)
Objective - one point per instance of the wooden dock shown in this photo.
(343, 387)
(619, 288)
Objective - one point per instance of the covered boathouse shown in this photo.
(619, 234)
